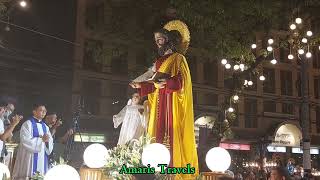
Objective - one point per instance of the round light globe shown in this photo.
(228, 66)
(250, 83)
(290, 56)
(309, 33)
(273, 61)
(224, 61)
(62, 172)
(245, 82)
(293, 26)
(262, 78)
(230, 109)
(298, 20)
(304, 40)
(154, 154)
(301, 51)
(270, 41)
(236, 67)
(218, 159)
(236, 97)
(269, 48)
(308, 55)
(253, 46)
(23, 4)
(4, 171)
(95, 156)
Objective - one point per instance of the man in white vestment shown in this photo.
(35, 146)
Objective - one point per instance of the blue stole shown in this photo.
(35, 134)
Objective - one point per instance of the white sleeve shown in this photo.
(118, 119)
(32, 144)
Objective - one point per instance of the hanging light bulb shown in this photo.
(228, 66)
(293, 26)
(23, 4)
(290, 56)
(250, 83)
(308, 55)
(262, 78)
(241, 66)
(301, 51)
(224, 61)
(253, 46)
(269, 48)
(236, 67)
(270, 41)
(309, 33)
(273, 61)
(304, 40)
(230, 109)
(298, 20)
(245, 82)
(236, 97)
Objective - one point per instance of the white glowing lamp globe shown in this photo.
(250, 83)
(304, 40)
(62, 171)
(293, 26)
(270, 41)
(262, 78)
(298, 20)
(309, 33)
(4, 171)
(269, 48)
(23, 3)
(230, 109)
(253, 46)
(308, 55)
(95, 156)
(236, 97)
(273, 61)
(290, 56)
(224, 61)
(218, 159)
(301, 51)
(236, 67)
(154, 154)
(228, 66)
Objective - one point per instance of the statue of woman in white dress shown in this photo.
(133, 118)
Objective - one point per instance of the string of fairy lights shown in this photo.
(299, 42)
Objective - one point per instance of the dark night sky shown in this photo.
(36, 68)
(55, 18)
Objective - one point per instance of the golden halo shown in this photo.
(182, 28)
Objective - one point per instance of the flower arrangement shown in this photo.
(128, 154)
(37, 176)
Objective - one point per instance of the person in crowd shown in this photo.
(279, 173)
(6, 133)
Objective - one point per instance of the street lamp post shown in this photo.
(305, 123)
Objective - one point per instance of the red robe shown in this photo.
(165, 94)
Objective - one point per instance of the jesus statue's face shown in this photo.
(159, 39)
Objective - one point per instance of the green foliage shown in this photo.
(37, 176)
(225, 27)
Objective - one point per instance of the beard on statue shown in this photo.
(163, 49)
